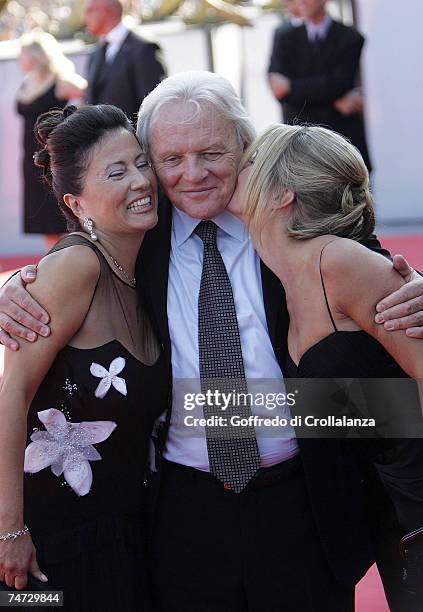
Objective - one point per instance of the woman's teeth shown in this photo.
(140, 205)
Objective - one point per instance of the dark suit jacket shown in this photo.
(320, 74)
(134, 72)
(332, 476)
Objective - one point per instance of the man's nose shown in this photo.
(195, 170)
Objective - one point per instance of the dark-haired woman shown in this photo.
(87, 395)
(306, 200)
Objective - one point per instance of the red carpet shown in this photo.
(369, 595)
(409, 246)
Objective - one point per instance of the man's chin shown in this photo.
(202, 211)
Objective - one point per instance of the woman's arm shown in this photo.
(64, 285)
(356, 280)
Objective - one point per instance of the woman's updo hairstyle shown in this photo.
(67, 138)
(326, 173)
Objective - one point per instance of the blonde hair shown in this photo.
(47, 50)
(326, 173)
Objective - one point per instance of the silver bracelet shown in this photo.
(12, 535)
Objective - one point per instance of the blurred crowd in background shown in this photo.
(314, 79)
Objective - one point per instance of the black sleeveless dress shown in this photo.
(41, 214)
(88, 439)
(392, 468)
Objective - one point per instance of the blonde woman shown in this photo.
(304, 194)
(50, 82)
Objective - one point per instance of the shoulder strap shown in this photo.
(80, 239)
(324, 289)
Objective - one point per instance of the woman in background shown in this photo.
(50, 82)
(305, 198)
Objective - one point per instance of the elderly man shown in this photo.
(125, 67)
(254, 522)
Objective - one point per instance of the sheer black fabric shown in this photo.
(91, 544)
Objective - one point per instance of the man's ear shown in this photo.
(281, 201)
(74, 204)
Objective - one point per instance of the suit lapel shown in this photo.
(98, 65)
(153, 272)
(120, 57)
(328, 46)
(276, 311)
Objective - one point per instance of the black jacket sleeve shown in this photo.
(373, 244)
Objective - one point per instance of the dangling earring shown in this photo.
(88, 224)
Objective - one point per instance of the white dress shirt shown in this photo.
(115, 39)
(320, 29)
(187, 445)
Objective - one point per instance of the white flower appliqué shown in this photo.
(67, 448)
(109, 377)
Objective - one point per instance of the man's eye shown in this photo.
(212, 155)
(171, 161)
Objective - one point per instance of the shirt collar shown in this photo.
(320, 29)
(116, 35)
(184, 225)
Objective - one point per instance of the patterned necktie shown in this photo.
(233, 452)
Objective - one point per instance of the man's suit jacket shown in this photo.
(320, 74)
(128, 78)
(333, 480)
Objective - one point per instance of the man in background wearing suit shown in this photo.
(313, 70)
(125, 67)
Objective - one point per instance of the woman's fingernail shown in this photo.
(379, 318)
(44, 331)
(30, 336)
(14, 347)
(380, 307)
(44, 318)
(44, 578)
(389, 325)
(31, 274)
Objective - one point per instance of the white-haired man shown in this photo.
(295, 538)
(262, 523)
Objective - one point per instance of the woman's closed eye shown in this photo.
(116, 174)
(143, 165)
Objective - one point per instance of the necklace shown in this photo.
(131, 281)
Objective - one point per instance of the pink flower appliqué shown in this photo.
(109, 377)
(67, 448)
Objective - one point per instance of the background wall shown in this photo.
(393, 78)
